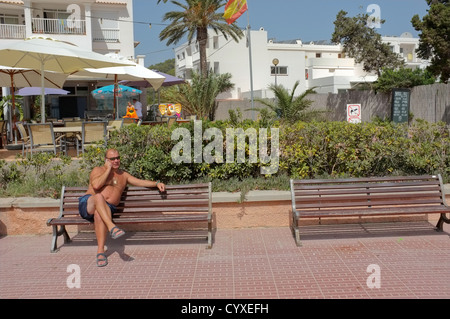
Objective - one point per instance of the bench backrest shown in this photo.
(367, 193)
(135, 201)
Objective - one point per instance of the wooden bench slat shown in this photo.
(164, 209)
(366, 179)
(362, 185)
(371, 211)
(365, 191)
(364, 197)
(373, 204)
(134, 220)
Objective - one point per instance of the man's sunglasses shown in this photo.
(114, 158)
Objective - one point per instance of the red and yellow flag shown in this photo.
(234, 9)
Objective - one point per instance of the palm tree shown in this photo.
(195, 19)
(199, 96)
(286, 106)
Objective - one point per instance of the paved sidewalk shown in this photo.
(413, 262)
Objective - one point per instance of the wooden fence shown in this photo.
(428, 102)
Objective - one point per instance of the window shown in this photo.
(8, 19)
(318, 55)
(278, 70)
(216, 68)
(56, 14)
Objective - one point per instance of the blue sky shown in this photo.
(283, 20)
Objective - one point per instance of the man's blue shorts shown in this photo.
(82, 208)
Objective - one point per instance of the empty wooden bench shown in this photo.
(373, 196)
(178, 204)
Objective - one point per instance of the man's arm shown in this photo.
(144, 183)
(99, 176)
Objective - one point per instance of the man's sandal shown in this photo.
(116, 232)
(102, 262)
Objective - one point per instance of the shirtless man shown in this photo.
(106, 184)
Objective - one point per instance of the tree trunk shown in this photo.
(202, 38)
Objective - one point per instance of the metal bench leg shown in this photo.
(440, 224)
(296, 232)
(297, 237)
(54, 246)
(56, 233)
(64, 232)
(209, 235)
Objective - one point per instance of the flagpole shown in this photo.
(250, 62)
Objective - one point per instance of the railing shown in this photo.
(58, 26)
(12, 31)
(106, 35)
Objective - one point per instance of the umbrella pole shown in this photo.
(115, 97)
(42, 94)
(13, 112)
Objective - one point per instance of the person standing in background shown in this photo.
(138, 108)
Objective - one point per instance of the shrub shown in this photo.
(307, 150)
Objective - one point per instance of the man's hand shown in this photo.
(161, 186)
(108, 164)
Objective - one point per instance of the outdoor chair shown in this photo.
(3, 136)
(26, 142)
(42, 138)
(71, 138)
(92, 134)
(117, 124)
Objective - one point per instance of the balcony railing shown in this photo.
(58, 26)
(12, 31)
(106, 35)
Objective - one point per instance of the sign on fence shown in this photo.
(354, 113)
(400, 105)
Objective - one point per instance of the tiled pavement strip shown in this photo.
(254, 263)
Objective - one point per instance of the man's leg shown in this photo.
(103, 223)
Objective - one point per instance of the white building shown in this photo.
(102, 26)
(314, 64)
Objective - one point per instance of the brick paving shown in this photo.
(254, 263)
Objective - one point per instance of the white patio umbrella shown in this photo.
(20, 77)
(134, 72)
(47, 54)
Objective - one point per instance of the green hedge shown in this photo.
(340, 149)
(306, 150)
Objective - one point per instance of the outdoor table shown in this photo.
(74, 129)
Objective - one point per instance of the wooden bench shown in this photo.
(373, 196)
(178, 204)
